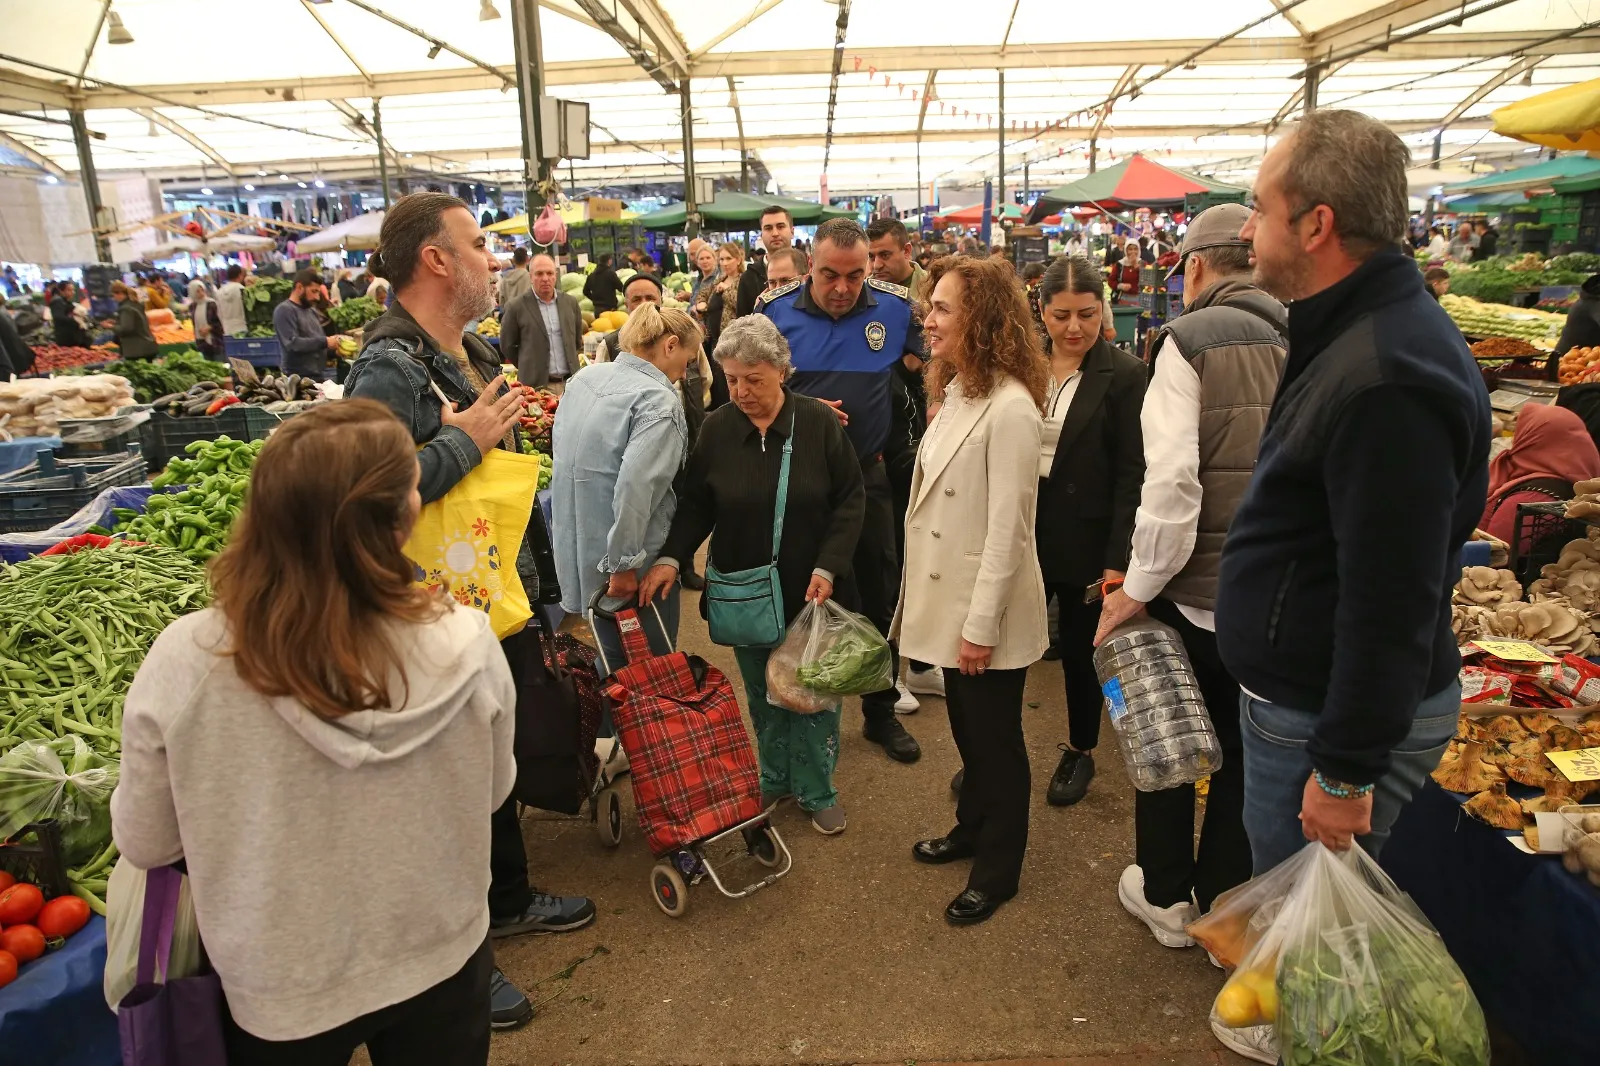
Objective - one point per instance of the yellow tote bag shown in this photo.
(466, 542)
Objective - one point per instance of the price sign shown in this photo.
(1581, 765)
(1515, 651)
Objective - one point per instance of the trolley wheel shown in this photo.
(608, 817)
(667, 886)
(764, 848)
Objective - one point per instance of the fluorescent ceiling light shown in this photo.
(487, 12)
(50, 179)
(118, 33)
(319, 184)
(249, 188)
(301, 184)
(205, 192)
(283, 177)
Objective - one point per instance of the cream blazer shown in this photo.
(971, 566)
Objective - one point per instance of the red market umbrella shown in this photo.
(972, 216)
(1134, 182)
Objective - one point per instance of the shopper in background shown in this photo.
(1550, 451)
(704, 259)
(1216, 367)
(972, 600)
(1463, 244)
(230, 302)
(299, 330)
(1090, 465)
(1125, 278)
(602, 285)
(729, 494)
(1333, 607)
(1488, 240)
(207, 323)
(1582, 328)
(889, 251)
(515, 280)
(846, 332)
(1438, 245)
(158, 294)
(66, 329)
(15, 355)
(347, 286)
(717, 307)
(541, 331)
(1437, 280)
(777, 231)
(132, 328)
(356, 751)
(446, 387)
(788, 264)
(379, 290)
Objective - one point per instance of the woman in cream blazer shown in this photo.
(971, 597)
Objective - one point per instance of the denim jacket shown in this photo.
(619, 440)
(395, 367)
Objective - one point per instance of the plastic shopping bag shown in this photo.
(829, 652)
(62, 780)
(466, 542)
(1331, 953)
(125, 919)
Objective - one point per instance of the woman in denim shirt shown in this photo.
(619, 440)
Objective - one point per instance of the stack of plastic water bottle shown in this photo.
(1160, 719)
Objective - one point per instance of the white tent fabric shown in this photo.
(357, 234)
(228, 242)
(759, 77)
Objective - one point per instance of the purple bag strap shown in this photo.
(161, 888)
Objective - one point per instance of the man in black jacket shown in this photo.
(777, 231)
(602, 285)
(1333, 608)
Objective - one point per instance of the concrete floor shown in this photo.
(849, 959)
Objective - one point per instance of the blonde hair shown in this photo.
(649, 323)
(735, 250)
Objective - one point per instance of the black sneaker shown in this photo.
(897, 743)
(508, 1007)
(1052, 653)
(1071, 781)
(546, 914)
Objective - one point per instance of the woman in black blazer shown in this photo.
(1091, 468)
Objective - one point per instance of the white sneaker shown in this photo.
(1259, 1043)
(928, 682)
(907, 703)
(1166, 923)
(613, 760)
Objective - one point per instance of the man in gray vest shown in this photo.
(1215, 369)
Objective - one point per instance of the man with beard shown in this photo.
(446, 386)
(1333, 604)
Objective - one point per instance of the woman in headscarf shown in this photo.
(207, 323)
(1552, 450)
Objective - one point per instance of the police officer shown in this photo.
(845, 332)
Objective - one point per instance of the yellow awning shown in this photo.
(1566, 118)
(572, 213)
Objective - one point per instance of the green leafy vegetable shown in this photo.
(354, 313)
(857, 662)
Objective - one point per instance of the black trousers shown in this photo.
(900, 475)
(1078, 621)
(992, 813)
(447, 1025)
(509, 891)
(1164, 821)
(877, 574)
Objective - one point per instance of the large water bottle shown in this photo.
(1160, 719)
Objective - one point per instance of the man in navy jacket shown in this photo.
(1334, 603)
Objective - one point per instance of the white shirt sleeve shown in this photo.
(1169, 503)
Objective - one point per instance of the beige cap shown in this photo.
(1215, 227)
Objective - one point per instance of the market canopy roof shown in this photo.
(572, 212)
(1567, 118)
(356, 234)
(741, 208)
(971, 216)
(1562, 168)
(1135, 182)
(917, 98)
(228, 242)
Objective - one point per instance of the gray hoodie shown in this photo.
(337, 867)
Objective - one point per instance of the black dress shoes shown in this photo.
(957, 781)
(972, 907)
(897, 743)
(941, 850)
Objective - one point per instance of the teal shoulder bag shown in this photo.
(745, 608)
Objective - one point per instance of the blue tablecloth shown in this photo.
(16, 454)
(55, 1013)
(1524, 931)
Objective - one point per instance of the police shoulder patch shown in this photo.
(782, 290)
(890, 287)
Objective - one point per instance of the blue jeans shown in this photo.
(1276, 768)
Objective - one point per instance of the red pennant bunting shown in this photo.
(857, 60)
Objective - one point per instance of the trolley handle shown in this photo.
(632, 639)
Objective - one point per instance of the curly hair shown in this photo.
(995, 334)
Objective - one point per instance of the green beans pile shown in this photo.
(73, 631)
(196, 521)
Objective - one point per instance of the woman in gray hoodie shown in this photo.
(310, 742)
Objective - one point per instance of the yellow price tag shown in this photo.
(1515, 651)
(1582, 765)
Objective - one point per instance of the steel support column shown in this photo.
(383, 152)
(691, 208)
(91, 183)
(1000, 187)
(1313, 76)
(529, 49)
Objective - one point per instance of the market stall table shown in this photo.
(55, 1013)
(1525, 931)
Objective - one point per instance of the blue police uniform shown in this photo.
(850, 358)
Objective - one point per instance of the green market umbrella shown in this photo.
(1134, 182)
(738, 207)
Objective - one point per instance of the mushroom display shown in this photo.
(1496, 808)
(1484, 586)
(1463, 770)
(1585, 500)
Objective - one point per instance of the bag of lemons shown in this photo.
(466, 542)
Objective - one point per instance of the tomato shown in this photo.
(6, 880)
(24, 942)
(8, 968)
(63, 916)
(20, 903)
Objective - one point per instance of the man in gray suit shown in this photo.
(542, 329)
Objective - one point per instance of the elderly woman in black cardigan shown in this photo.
(730, 494)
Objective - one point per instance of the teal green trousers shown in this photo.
(798, 752)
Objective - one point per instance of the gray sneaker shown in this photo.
(829, 821)
(546, 914)
(508, 1007)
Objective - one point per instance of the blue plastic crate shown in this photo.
(51, 490)
(258, 351)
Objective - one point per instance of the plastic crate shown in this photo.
(166, 436)
(34, 856)
(90, 438)
(49, 489)
(257, 351)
